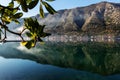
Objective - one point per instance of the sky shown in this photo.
(61, 4)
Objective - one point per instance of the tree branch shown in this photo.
(13, 32)
(23, 30)
(6, 28)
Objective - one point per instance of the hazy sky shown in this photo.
(62, 4)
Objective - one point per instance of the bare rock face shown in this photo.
(92, 18)
(96, 17)
(104, 15)
(112, 14)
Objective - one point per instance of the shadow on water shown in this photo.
(73, 61)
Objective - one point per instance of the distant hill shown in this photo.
(95, 18)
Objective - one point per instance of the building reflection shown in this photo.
(85, 38)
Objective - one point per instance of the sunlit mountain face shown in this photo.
(100, 18)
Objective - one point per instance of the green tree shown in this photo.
(11, 13)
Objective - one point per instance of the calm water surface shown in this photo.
(60, 61)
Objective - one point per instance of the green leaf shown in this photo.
(11, 4)
(28, 44)
(41, 28)
(18, 15)
(49, 8)
(34, 35)
(24, 5)
(28, 34)
(15, 10)
(16, 21)
(7, 12)
(28, 1)
(6, 19)
(33, 4)
(41, 11)
(36, 31)
(29, 24)
(23, 43)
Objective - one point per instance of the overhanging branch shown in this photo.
(5, 27)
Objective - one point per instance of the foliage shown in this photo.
(35, 32)
(11, 13)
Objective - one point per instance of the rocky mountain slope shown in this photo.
(93, 18)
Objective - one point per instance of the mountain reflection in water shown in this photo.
(72, 61)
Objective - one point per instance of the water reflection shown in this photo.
(83, 38)
(17, 69)
(93, 57)
(74, 61)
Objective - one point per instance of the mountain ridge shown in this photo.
(95, 18)
(92, 18)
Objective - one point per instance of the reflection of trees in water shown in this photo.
(94, 57)
(104, 57)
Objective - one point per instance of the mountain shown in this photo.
(95, 18)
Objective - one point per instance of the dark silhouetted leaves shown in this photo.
(11, 4)
(15, 10)
(29, 34)
(10, 13)
(36, 32)
(16, 21)
(28, 44)
(28, 1)
(18, 15)
(41, 11)
(32, 4)
(24, 5)
(49, 8)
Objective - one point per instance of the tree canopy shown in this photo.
(11, 13)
